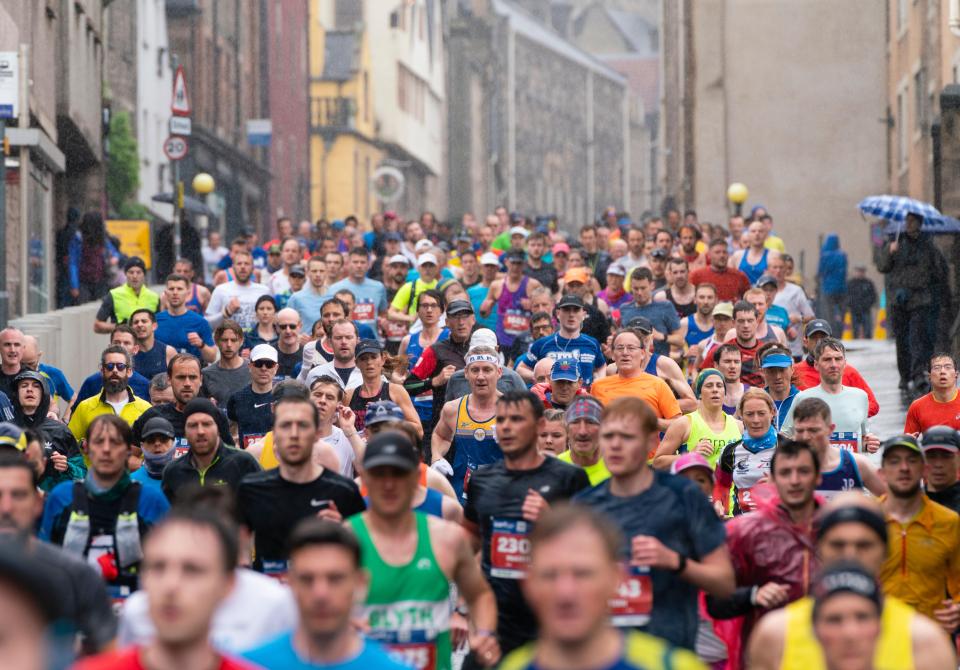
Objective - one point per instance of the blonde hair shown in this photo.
(756, 394)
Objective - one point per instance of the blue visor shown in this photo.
(776, 361)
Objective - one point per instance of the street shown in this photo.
(874, 359)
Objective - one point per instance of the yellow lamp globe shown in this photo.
(203, 183)
(737, 193)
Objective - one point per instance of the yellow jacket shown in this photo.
(923, 558)
(93, 407)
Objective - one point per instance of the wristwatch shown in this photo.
(681, 565)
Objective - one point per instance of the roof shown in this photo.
(339, 55)
(634, 28)
(527, 26)
(642, 74)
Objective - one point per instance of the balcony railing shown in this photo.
(331, 114)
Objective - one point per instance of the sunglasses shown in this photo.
(110, 367)
(264, 364)
(287, 326)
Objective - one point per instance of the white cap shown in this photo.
(489, 258)
(422, 245)
(483, 337)
(399, 258)
(263, 352)
(617, 269)
(426, 258)
(519, 230)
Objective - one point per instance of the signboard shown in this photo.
(175, 148)
(387, 184)
(9, 84)
(180, 105)
(134, 238)
(259, 132)
(180, 125)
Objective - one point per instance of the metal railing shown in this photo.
(332, 114)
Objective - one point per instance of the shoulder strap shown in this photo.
(81, 501)
(131, 498)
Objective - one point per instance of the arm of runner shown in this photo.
(451, 510)
(438, 482)
(400, 396)
(868, 473)
(525, 371)
(443, 432)
(765, 648)
(676, 435)
(346, 421)
(482, 605)
(492, 296)
(671, 373)
(325, 456)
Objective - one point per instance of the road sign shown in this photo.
(9, 84)
(180, 105)
(259, 132)
(175, 148)
(180, 125)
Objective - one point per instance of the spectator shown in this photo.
(861, 297)
(832, 278)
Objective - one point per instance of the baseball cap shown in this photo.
(641, 323)
(389, 215)
(583, 407)
(659, 253)
(422, 246)
(274, 249)
(565, 369)
(383, 411)
(298, 270)
(368, 347)
(905, 441)
(393, 449)
(519, 230)
(617, 269)
(393, 237)
(157, 426)
(765, 280)
(776, 361)
(489, 258)
(576, 274)
(516, 217)
(459, 307)
(263, 352)
(338, 224)
(399, 258)
(423, 259)
(691, 459)
(483, 337)
(817, 326)
(513, 255)
(570, 300)
(561, 248)
(12, 435)
(940, 437)
(723, 309)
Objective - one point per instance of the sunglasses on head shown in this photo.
(264, 363)
(110, 367)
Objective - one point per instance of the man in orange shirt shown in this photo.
(630, 355)
(940, 407)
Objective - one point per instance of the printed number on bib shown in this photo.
(509, 548)
(417, 656)
(516, 322)
(847, 440)
(364, 311)
(745, 501)
(634, 600)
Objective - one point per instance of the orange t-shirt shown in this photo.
(926, 412)
(652, 390)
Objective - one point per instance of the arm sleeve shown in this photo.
(729, 608)
(105, 313)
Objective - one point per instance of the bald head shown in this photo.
(288, 314)
(541, 371)
(288, 323)
(11, 350)
(31, 352)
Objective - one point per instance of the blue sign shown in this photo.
(6, 112)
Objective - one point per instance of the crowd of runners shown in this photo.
(407, 443)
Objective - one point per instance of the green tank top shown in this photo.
(408, 606)
(700, 430)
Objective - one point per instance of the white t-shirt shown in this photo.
(258, 609)
(848, 410)
(119, 405)
(279, 282)
(246, 316)
(211, 257)
(792, 298)
(341, 445)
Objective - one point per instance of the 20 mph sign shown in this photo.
(175, 148)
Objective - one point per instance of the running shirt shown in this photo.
(927, 411)
(407, 608)
(640, 652)
(475, 444)
(281, 654)
(512, 319)
(271, 506)
(695, 334)
(615, 303)
(252, 412)
(596, 473)
(152, 362)
(288, 364)
(174, 331)
(582, 348)
(423, 403)
(848, 411)
(755, 271)
(683, 310)
(743, 464)
(129, 659)
(674, 511)
(359, 402)
(432, 504)
(699, 430)
(844, 477)
(193, 304)
(749, 365)
(783, 406)
(494, 503)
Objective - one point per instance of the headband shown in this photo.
(482, 358)
(702, 377)
(846, 577)
(853, 514)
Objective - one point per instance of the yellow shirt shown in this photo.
(93, 407)
(923, 558)
(596, 473)
(268, 457)
(774, 243)
(640, 651)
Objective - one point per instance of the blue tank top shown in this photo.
(694, 334)
(432, 504)
(651, 368)
(415, 351)
(475, 443)
(149, 363)
(845, 477)
(754, 272)
(193, 304)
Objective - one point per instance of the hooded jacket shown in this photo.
(833, 267)
(914, 271)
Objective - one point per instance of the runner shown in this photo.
(370, 360)
(753, 260)
(230, 373)
(404, 305)
(792, 298)
(320, 350)
(265, 330)
(290, 256)
(511, 295)
(766, 331)
(504, 502)
(411, 559)
(614, 294)
(697, 328)
(490, 270)
(680, 293)
(308, 300)
(182, 329)
(807, 374)
(706, 430)
(120, 302)
(370, 295)
(562, 387)
(237, 298)
(676, 542)
(534, 267)
(941, 445)
(249, 408)
(158, 451)
(730, 282)
(662, 315)
(940, 407)
(122, 336)
(343, 337)
(429, 310)
(722, 323)
(582, 421)
(152, 355)
(289, 346)
(729, 364)
(568, 344)
(116, 398)
(847, 616)
(552, 439)
(776, 365)
(199, 294)
(746, 321)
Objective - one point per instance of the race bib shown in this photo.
(509, 548)
(745, 501)
(180, 446)
(395, 331)
(364, 311)
(516, 322)
(633, 603)
(847, 440)
(417, 656)
(409, 629)
(276, 570)
(250, 438)
(118, 595)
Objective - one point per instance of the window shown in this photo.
(411, 92)
(901, 122)
(902, 16)
(919, 101)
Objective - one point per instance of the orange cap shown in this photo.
(576, 274)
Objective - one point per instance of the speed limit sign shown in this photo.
(175, 147)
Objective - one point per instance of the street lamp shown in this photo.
(203, 183)
(737, 193)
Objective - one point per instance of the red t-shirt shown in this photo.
(808, 377)
(749, 365)
(129, 659)
(731, 283)
(926, 411)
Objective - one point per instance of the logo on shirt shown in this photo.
(424, 564)
(258, 405)
(545, 488)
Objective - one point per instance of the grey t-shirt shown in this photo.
(458, 386)
(221, 383)
(848, 410)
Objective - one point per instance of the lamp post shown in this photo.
(203, 184)
(737, 193)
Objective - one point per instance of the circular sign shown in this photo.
(175, 148)
(387, 184)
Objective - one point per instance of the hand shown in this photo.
(534, 505)
(459, 630)
(442, 466)
(771, 595)
(346, 417)
(693, 351)
(792, 333)
(649, 551)
(485, 649)
(331, 513)
(871, 443)
(446, 374)
(705, 448)
(657, 335)
(948, 616)
(233, 306)
(894, 246)
(59, 461)
(194, 339)
(75, 293)
(304, 339)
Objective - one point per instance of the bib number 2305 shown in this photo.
(509, 548)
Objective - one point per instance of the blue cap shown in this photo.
(776, 361)
(396, 237)
(338, 224)
(384, 410)
(565, 369)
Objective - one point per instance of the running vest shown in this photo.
(423, 402)
(512, 319)
(475, 443)
(845, 477)
(432, 505)
(359, 402)
(193, 304)
(126, 302)
(651, 368)
(894, 651)
(700, 430)
(695, 335)
(755, 271)
(268, 457)
(407, 607)
(682, 310)
(149, 363)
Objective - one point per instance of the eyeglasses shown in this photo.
(287, 326)
(110, 367)
(622, 348)
(264, 363)
(429, 305)
(946, 367)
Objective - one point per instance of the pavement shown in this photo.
(876, 360)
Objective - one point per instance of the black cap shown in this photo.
(817, 326)
(903, 441)
(157, 425)
(513, 255)
(570, 300)
(134, 262)
(846, 577)
(200, 406)
(368, 347)
(459, 307)
(641, 323)
(766, 280)
(941, 437)
(392, 448)
(297, 269)
(659, 253)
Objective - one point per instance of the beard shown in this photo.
(903, 493)
(114, 385)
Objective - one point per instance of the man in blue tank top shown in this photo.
(153, 356)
